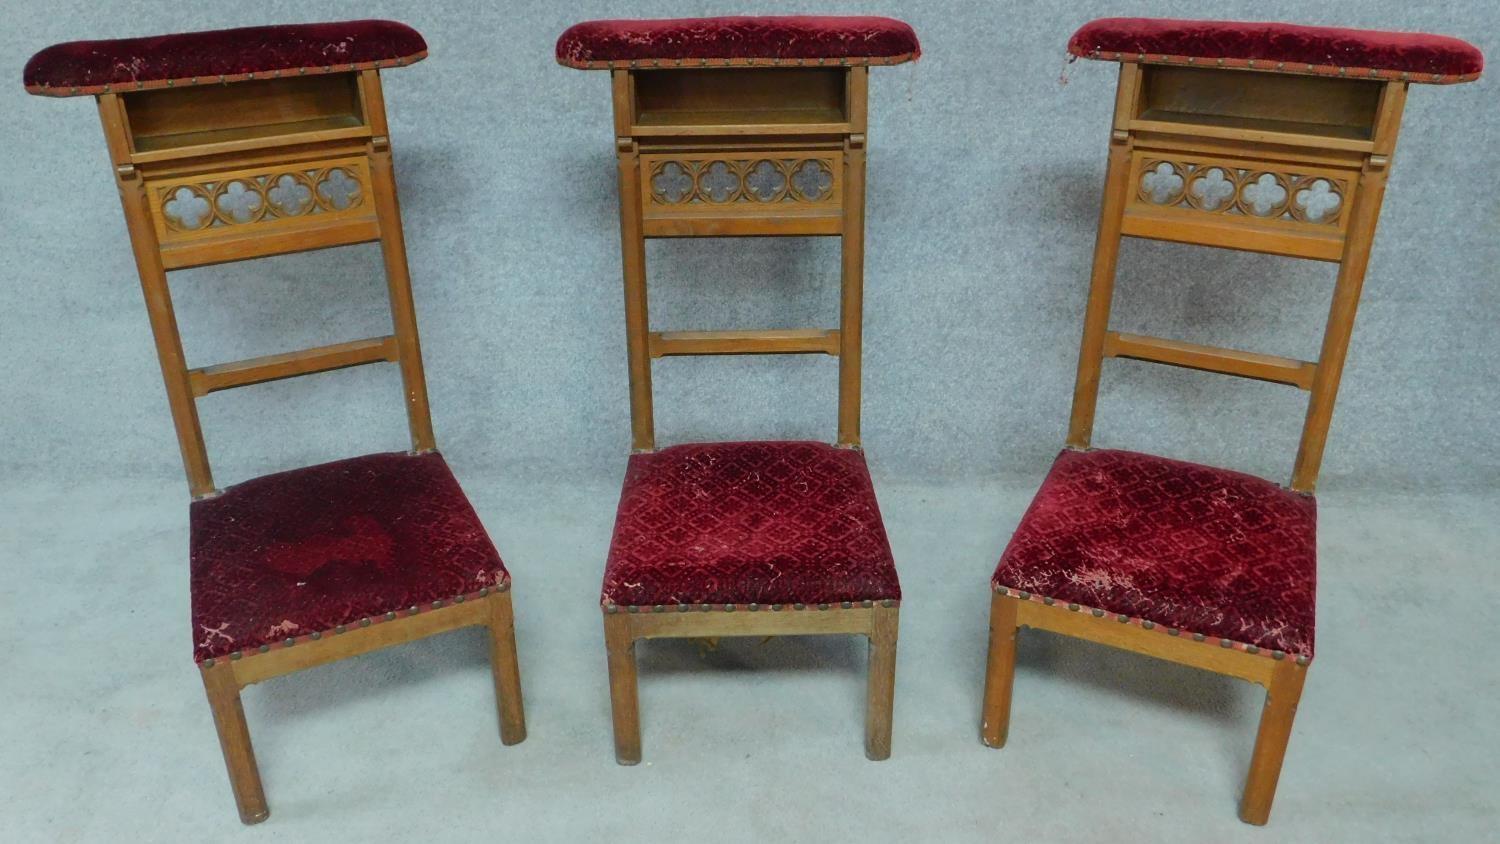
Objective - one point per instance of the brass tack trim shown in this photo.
(1123, 618)
(1098, 613)
(208, 663)
(1252, 649)
(390, 616)
(658, 608)
(1149, 625)
(1303, 660)
(339, 629)
(1225, 643)
(1024, 595)
(1198, 637)
(1047, 601)
(822, 606)
(364, 622)
(504, 587)
(437, 605)
(729, 608)
(235, 655)
(264, 648)
(315, 635)
(800, 606)
(1074, 607)
(755, 607)
(414, 609)
(867, 604)
(290, 642)
(888, 603)
(459, 599)
(707, 607)
(775, 608)
(633, 609)
(847, 605)
(1278, 655)
(483, 591)
(684, 607)
(611, 609)
(1173, 631)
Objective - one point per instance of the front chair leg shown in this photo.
(1270, 742)
(234, 740)
(619, 643)
(881, 692)
(507, 670)
(1000, 673)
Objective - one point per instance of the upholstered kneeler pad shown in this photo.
(1285, 47)
(1176, 545)
(225, 55)
(750, 522)
(301, 552)
(767, 40)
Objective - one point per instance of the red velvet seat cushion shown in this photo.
(749, 522)
(1173, 546)
(299, 553)
(1287, 47)
(224, 55)
(762, 40)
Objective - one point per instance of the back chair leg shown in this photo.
(881, 694)
(623, 699)
(1000, 673)
(1270, 742)
(507, 670)
(234, 740)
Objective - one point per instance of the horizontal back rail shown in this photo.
(259, 370)
(753, 342)
(1298, 373)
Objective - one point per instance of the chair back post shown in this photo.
(852, 276)
(397, 272)
(321, 156)
(1364, 214)
(148, 261)
(633, 264)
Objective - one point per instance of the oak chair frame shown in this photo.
(727, 112)
(197, 134)
(1343, 126)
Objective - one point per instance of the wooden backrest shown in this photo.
(1244, 160)
(741, 152)
(230, 172)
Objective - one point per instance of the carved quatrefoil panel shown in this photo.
(248, 199)
(726, 181)
(1222, 188)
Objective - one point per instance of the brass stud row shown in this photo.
(635, 609)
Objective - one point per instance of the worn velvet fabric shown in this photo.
(749, 522)
(302, 552)
(1183, 546)
(1301, 49)
(225, 55)
(752, 39)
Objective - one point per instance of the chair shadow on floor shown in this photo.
(1109, 673)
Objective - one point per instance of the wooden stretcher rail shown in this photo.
(793, 341)
(271, 241)
(1232, 233)
(225, 376)
(784, 225)
(1298, 373)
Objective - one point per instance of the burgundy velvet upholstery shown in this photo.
(1281, 46)
(764, 40)
(1171, 546)
(299, 553)
(749, 522)
(225, 55)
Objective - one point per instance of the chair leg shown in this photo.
(1270, 742)
(1000, 673)
(881, 693)
(234, 739)
(507, 670)
(624, 703)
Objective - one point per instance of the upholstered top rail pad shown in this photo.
(738, 41)
(224, 55)
(1284, 47)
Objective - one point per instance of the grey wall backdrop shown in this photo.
(985, 170)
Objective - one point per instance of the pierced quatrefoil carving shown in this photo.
(813, 180)
(719, 182)
(1264, 195)
(1212, 189)
(672, 183)
(765, 181)
(187, 209)
(239, 202)
(1318, 200)
(1162, 183)
(339, 189)
(289, 196)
